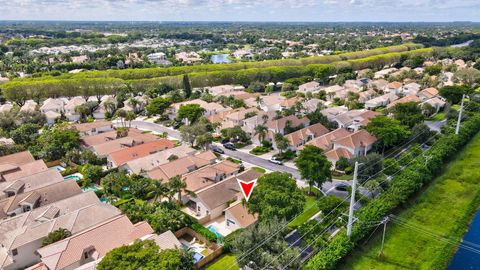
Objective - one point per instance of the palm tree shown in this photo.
(177, 185)
(261, 131)
(129, 117)
(109, 106)
(134, 103)
(265, 118)
(122, 114)
(158, 190)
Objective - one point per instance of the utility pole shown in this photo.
(385, 221)
(457, 129)
(352, 201)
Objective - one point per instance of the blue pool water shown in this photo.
(72, 177)
(214, 230)
(466, 259)
(90, 188)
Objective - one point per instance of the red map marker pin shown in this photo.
(247, 187)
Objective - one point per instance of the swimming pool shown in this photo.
(214, 230)
(91, 188)
(75, 176)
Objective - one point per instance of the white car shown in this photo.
(275, 161)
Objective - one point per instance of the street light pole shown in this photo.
(457, 129)
(352, 201)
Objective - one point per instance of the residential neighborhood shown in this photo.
(248, 145)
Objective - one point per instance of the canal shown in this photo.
(468, 257)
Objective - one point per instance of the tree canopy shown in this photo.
(389, 130)
(276, 195)
(314, 166)
(146, 255)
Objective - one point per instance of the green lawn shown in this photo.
(446, 207)
(438, 117)
(308, 212)
(343, 177)
(223, 263)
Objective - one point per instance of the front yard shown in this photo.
(445, 208)
(309, 209)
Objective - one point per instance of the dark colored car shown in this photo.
(224, 141)
(229, 146)
(217, 149)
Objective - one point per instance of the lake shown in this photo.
(466, 259)
(220, 58)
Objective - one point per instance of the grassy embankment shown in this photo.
(445, 207)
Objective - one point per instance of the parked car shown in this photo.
(217, 149)
(342, 187)
(225, 140)
(229, 146)
(275, 161)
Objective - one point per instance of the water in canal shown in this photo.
(465, 259)
(220, 58)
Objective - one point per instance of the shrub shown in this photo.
(403, 186)
(210, 236)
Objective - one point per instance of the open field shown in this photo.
(223, 263)
(445, 208)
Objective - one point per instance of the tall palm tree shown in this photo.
(177, 185)
(158, 190)
(261, 131)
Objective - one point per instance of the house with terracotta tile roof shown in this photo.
(437, 102)
(149, 162)
(92, 244)
(70, 106)
(279, 125)
(357, 143)
(381, 101)
(26, 201)
(120, 157)
(428, 93)
(209, 175)
(394, 87)
(354, 119)
(53, 105)
(104, 149)
(290, 102)
(325, 142)
(404, 99)
(271, 103)
(312, 86)
(366, 95)
(304, 135)
(334, 155)
(93, 128)
(237, 217)
(22, 243)
(411, 89)
(90, 141)
(10, 172)
(261, 118)
(29, 183)
(333, 112)
(210, 202)
(182, 166)
(17, 158)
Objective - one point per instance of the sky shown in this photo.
(242, 10)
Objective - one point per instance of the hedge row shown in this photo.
(403, 186)
(21, 90)
(132, 74)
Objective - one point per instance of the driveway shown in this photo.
(435, 125)
(140, 124)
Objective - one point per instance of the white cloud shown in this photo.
(287, 10)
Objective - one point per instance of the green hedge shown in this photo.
(210, 236)
(135, 74)
(402, 187)
(21, 90)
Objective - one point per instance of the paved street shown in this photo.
(140, 124)
(328, 187)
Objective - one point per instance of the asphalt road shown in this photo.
(153, 127)
(328, 187)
